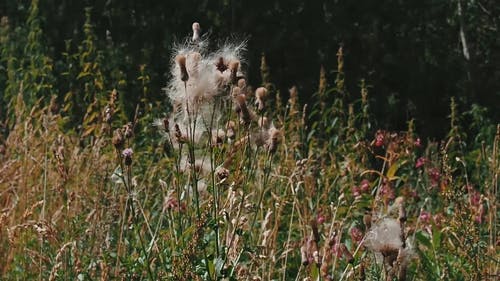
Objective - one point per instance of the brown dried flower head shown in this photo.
(181, 61)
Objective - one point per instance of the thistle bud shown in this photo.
(260, 96)
(181, 61)
(118, 139)
(242, 83)
(230, 130)
(196, 31)
(222, 173)
(178, 134)
(236, 92)
(128, 130)
(245, 114)
(234, 66)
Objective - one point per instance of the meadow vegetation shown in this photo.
(232, 181)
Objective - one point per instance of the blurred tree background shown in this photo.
(414, 55)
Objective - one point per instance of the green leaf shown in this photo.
(436, 237)
(423, 239)
(393, 169)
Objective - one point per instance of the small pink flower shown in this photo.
(475, 198)
(127, 155)
(356, 191)
(320, 219)
(435, 176)
(337, 249)
(173, 204)
(479, 214)
(387, 192)
(379, 139)
(356, 235)
(128, 152)
(365, 186)
(420, 162)
(425, 217)
(418, 142)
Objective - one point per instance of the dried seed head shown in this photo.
(385, 238)
(245, 115)
(261, 93)
(181, 61)
(260, 97)
(128, 130)
(178, 134)
(118, 139)
(230, 131)
(260, 138)
(274, 139)
(218, 137)
(222, 173)
(234, 66)
(236, 92)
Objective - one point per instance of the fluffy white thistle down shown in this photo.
(199, 77)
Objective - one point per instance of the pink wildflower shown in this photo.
(425, 217)
(435, 175)
(420, 162)
(418, 142)
(379, 139)
(356, 235)
(356, 191)
(365, 186)
(475, 198)
(320, 219)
